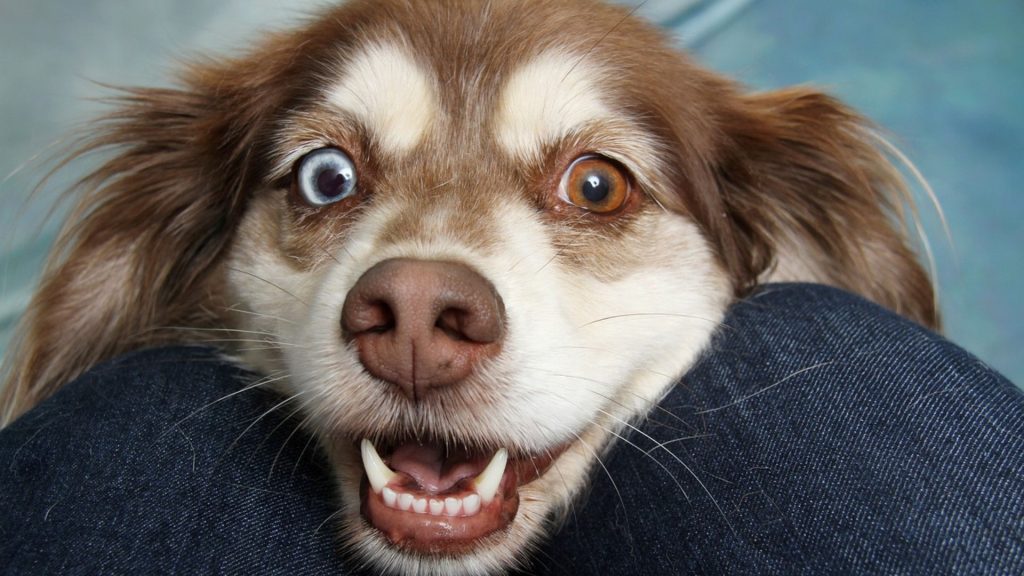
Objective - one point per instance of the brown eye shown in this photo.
(596, 184)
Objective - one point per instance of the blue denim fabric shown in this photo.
(820, 434)
(133, 469)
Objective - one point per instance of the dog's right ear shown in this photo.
(137, 253)
(808, 185)
(792, 185)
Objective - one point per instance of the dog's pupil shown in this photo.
(596, 187)
(331, 183)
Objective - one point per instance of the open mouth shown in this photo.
(428, 498)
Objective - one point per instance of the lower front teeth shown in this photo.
(450, 506)
(485, 485)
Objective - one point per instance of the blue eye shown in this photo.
(326, 176)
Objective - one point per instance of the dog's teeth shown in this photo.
(376, 470)
(452, 506)
(471, 504)
(487, 482)
(485, 486)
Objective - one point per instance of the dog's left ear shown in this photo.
(805, 190)
(138, 253)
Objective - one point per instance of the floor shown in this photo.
(942, 77)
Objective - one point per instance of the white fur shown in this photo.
(386, 89)
(546, 100)
(583, 355)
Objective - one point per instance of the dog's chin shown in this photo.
(447, 511)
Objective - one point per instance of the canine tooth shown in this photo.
(452, 506)
(487, 482)
(419, 505)
(405, 502)
(471, 504)
(376, 470)
(436, 507)
(390, 497)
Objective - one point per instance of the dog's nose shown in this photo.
(423, 324)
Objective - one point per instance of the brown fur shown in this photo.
(758, 173)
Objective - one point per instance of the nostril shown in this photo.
(451, 322)
(423, 324)
(368, 316)
(381, 318)
(473, 324)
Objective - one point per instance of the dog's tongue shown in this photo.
(435, 469)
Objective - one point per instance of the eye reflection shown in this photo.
(596, 184)
(326, 176)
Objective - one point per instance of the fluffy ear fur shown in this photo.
(137, 254)
(808, 193)
(148, 224)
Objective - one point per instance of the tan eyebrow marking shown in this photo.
(385, 88)
(546, 100)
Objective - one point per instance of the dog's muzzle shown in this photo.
(425, 326)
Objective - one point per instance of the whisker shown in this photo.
(252, 340)
(302, 452)
(653, 314)
(259, 348)
(257, 384)
(327, 520)
(572, 504)
(261, 279)
(258, 314)
(688, 425)
(614, 433)
(653, 459)
(680, 439)
(681, 463)
(607, 398)
(347, 252)
(618, 493)
(664, 410)
(600, 462)
(261, 417)
(517, 263)
(286, 441)
(330, 255)
(275, 429)
(233, 330)
(603, 38)
(191, 445)
(766, 388)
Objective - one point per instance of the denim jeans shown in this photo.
(818, 434)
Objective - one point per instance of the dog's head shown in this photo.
(473, 240)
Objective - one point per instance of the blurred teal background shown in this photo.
(944, 78)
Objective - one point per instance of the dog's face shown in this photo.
(475, 239)
(470, 274)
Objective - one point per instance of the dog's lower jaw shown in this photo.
(544, 503)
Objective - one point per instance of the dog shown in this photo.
(476, 238)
